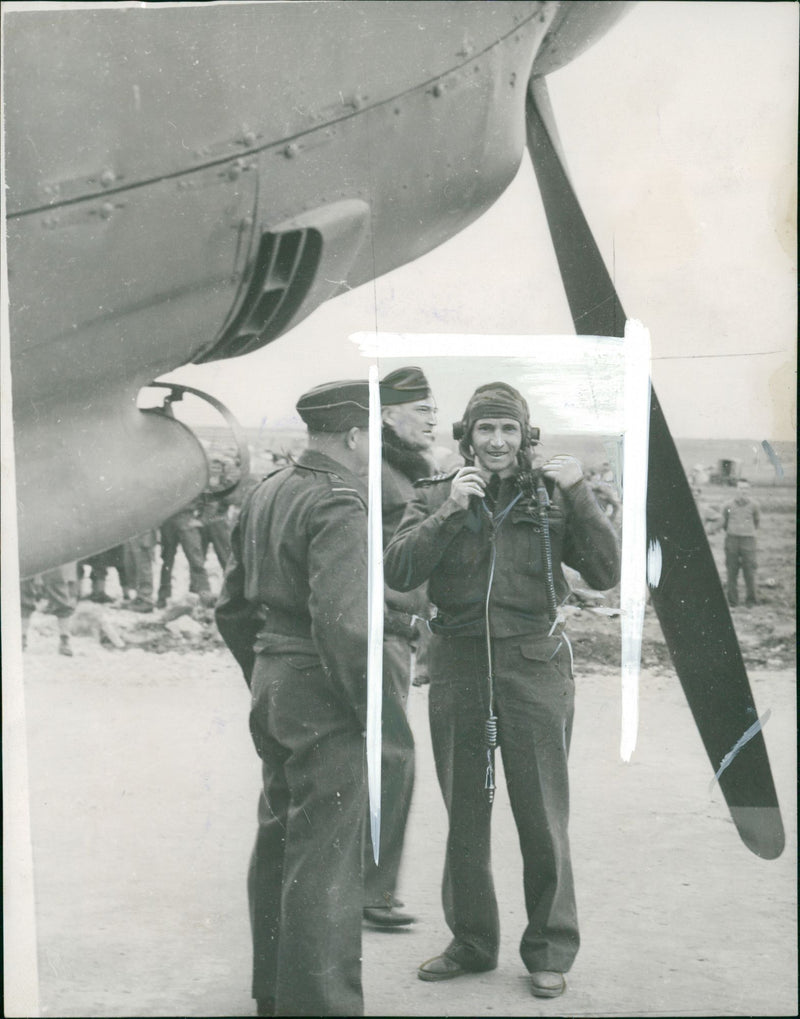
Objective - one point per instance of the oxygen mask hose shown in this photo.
(491, 745)
(547, 550)
(490, 725)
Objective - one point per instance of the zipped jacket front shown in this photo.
(467, 554)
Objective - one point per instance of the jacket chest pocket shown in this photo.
(527, 539)
(525, 553)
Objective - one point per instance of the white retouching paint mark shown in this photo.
(542, 348)
(745, 738)
(633, 582)
(654, 563)
(375, 615)
(563, 352)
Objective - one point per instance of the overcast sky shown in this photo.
(680, 132)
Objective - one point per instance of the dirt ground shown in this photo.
(143, 785)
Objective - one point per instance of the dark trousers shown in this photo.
(216, 532)
(305, 879)
(740, 553)
(99, 564)
(139, 564)
(534, 703)
(397, 775)
(187, 535)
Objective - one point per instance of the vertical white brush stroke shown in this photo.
(633, 579)
(375, 617)
(20, 960)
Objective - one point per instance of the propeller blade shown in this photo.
(688, 598)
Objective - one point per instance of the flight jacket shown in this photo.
(458, 551)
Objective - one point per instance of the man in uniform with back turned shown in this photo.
(293, 610)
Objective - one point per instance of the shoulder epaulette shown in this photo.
(331, 475)
(434, 479)
(336, 481)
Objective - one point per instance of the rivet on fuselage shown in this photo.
(438, 90)
(106, 209)
(107, 178)
(249, 138)
(291, 150)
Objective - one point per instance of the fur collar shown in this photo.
(402, 457)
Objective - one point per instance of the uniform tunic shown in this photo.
(493, 552)
(294, 612)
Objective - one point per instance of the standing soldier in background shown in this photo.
(53, 585)
(293, 610)
(214, 513)
(408, 413)
(491, 539)
(741, 519)
(139, 554)
(183, 528)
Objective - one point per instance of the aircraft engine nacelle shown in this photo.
(109, 469)
(186, 183)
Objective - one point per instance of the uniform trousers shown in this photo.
(216, 532)
(139, 564)
(397, 774)
(305, 882)
(99, 564)
(740, 553)
(186, 533)
(534, 703)
(54, 586)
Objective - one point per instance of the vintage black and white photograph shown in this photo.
(372, 643)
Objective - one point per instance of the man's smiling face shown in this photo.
(496, 442)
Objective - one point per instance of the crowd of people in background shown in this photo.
(143, 566)
(205, 522)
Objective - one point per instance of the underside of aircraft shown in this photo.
(186, 185)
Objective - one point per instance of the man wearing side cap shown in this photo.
(293, 610)
(490, 540)
(408, 413)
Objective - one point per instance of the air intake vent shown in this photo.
(282, 274)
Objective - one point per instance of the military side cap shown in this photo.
(336, 406)
(404, 385)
